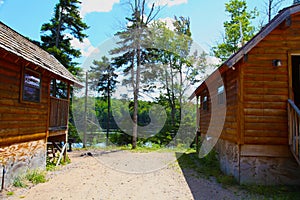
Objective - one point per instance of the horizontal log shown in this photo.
(266, 77)
(17, 117)
(266, 119)
(265, 98)
(265, 112)
(229, 137)
(265, 150)
(21, 138)
(266, 91)
(9, 132)
(266, 126)
(23, 124)
(30, 109)
(230, 131)
(266, 105)
(266, 84)
(266, 133)
(266, 140)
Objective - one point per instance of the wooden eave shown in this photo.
(14, 43)
(283, 18)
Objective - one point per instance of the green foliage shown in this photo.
(209, 167)
(31, 177)
(36, 176)
(103, 76)
(131, 55)
(65, 25)
(10, 193)
(238, 30)
(19, 181)
(274, 192)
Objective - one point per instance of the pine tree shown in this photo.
(57, 34)
(134, 53)
(103, 77)
(238, 30)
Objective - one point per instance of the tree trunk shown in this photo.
(108, 111)
(85, 111)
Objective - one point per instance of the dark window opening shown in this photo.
(221, 94)
(205, 103)
(58, 89)
(31, 86)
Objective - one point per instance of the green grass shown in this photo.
(31, 177)
(274, 192)
(51, 164)
(20, 182)
(209, 167)
(10, 193)
(36, 176)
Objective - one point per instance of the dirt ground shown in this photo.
(124, 175)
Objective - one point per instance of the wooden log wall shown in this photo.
(230, 80)
(20, 121)
(266, 88)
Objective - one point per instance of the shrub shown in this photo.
(36, 176)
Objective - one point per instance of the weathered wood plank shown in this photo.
(265, 150)
(266, 140)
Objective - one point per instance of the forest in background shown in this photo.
(151, 58)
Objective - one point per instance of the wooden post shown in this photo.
(85, 110)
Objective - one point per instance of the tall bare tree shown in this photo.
(133, 51)
(272, 7)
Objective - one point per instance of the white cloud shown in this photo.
(88, 6)
(85, 47)
(168, 3)
(1, 2)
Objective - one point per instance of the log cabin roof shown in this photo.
(17, 44)
(282, 18)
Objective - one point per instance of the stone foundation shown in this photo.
(269, 171)
(228, 154)
(264, 167)
(19, 158)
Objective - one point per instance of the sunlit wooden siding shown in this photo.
(20, 121)
(266, 88)
(230, 126)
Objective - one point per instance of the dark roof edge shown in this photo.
(276, 21)
(74, 80)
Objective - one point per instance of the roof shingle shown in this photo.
(17, 44)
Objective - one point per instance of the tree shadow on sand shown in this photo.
(202, 177)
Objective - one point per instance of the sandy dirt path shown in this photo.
(124, 175)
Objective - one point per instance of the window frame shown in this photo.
(205, 102)
(220, 94)
(26, 87)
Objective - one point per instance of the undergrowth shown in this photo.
(31, 177)
(209, 166)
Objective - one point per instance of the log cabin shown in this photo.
(34, 104)
(259, 89)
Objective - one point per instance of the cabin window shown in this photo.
(204, 103)
(58, 89)
(221, 94)
(31, 90)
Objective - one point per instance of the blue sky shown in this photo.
(106, 17)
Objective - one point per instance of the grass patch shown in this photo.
(274, 192)
(205, 167)
(31, 177)
(209, 167)
(10, 193)
(36, 177)
(51, 163)
(20, 182)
